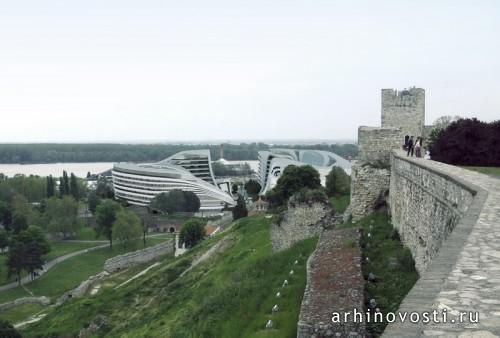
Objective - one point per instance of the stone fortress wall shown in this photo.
(449, 217)
(403, 113)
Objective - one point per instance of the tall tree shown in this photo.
(191, 202)
(26, 252)
(105, 217)
(74, 188)
(240, 210)
(61, 216)
(93, 201)
(252, 188)
(338, 182)
(170, 202)
(126, 227)
(4, 240)
(50, 186)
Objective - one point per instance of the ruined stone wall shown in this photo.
(375, 144)
(139, 256)
(25, 300)
(334, 284)
(425, 207)
(369, 189)
(298, 222)
(404, 109)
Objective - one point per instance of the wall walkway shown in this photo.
(450, 218)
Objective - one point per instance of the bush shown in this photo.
(292, 180)
(468, 142)
(240, 210)
(192, 232)
(309, 196)
(338, 182)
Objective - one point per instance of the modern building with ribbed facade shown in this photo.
(189, 170)
(273, 162)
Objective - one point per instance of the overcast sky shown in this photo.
(147, 70)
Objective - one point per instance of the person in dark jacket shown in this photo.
(410, 147)
(405, 147)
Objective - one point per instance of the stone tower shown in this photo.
(404, 109)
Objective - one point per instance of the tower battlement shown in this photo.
(404, 109)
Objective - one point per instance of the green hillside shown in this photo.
(228, 295)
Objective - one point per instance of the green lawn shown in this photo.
(229, 295)
(57, 249)
(340, 203)
(21, 312)
(389, 261)
(87, 233)
(71, 272)
(492, 171)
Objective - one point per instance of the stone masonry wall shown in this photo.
(460, 215)
(334, 284)
(425, 207)
(375, 144)
(139, 256)
(404, 109)
(25, 300)
(369, 189)
(299, 222)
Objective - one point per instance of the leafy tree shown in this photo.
(50, 186)
(26, 251)
(4, 240)
(146, 223)
(170, 202)
(61, 216)
(74, 187)
(7, 330)
(292, 180)
(64, 184)
(93, 201)
(5, 215)
(126, 227)
(104, 189)
(338, 182)
(19, 223)
(240, 210)
(253, 188)
(309, 196)
(192, 232)
(36, 246)
(105, 217)
(192, 202)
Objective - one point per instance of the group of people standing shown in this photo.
(413, 146)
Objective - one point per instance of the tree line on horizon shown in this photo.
(113, 152)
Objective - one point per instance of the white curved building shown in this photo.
(189, 170)
(273, 162)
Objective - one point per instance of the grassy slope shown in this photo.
(71, 272)
(230, 295)
(340, 203)
(389, 261)
(492, 171)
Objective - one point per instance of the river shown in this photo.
(55, 169)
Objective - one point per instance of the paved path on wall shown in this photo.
(465, 274)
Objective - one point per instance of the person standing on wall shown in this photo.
(418, 147)
(405, 147)
(410, 147)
